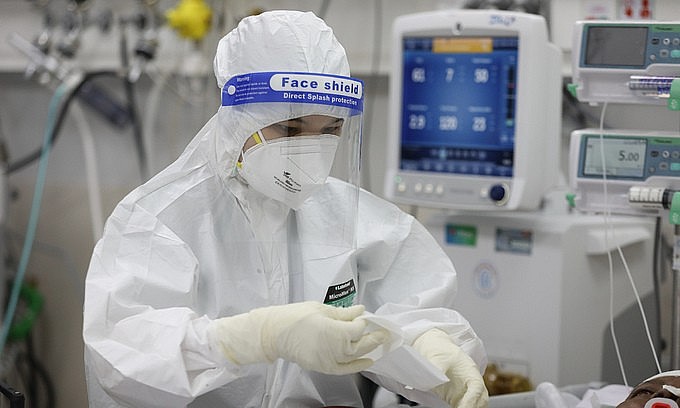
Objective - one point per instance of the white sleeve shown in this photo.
(143, 342)
(407, 278)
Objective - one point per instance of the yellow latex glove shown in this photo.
(465, 388)
(317, 337)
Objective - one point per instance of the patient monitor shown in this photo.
(474, 110)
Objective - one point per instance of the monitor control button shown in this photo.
(499, 193)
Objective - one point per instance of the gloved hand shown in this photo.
(317, 337)
(465, 388)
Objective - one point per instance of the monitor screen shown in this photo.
(458, 105)
(616, 46)
(474, 110)
(623, 157)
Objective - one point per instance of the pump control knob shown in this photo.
(498, 193)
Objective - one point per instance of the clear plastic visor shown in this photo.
(277, 105)
(316, 243)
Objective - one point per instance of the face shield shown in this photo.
(305, 127)
(298, 138)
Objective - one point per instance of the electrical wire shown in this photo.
(609, 228)
(136, 128)
(132, 107)
(573, 108)
(13, 240)
(40, 391)
(61, 115)
(642, 310)
(607, 214)
(131, 111)
(656, 278)
(323, 10)
(152, 105)
(93, 186)
(23, 372)
(61, 97)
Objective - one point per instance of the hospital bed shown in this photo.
(528, 399)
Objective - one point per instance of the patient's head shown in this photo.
(653, 387)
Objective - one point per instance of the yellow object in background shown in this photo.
(191, 18)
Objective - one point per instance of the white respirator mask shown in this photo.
(289, 169)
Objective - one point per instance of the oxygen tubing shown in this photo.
(60, 98)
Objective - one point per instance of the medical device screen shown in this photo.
(615, 46)
(458, 105)
(623, 157)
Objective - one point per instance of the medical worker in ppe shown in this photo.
(240, 275)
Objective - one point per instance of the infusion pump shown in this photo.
(625, 61)
(624, 171)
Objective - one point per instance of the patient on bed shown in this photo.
(664, 385)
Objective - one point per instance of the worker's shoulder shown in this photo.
(373, 209)
(341, 188)
(167, 187)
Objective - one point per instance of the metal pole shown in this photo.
(675, 322)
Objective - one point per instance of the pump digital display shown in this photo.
(458, 105)
(623, 157)
(611, 46)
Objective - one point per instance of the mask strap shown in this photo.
(673, 390)
(258, 137)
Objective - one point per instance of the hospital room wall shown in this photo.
(65, 240)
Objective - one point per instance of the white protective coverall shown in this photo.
(188, 247)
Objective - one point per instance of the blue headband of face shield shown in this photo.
(295, 87)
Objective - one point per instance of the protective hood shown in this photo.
(274, 67)
(273, 41)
